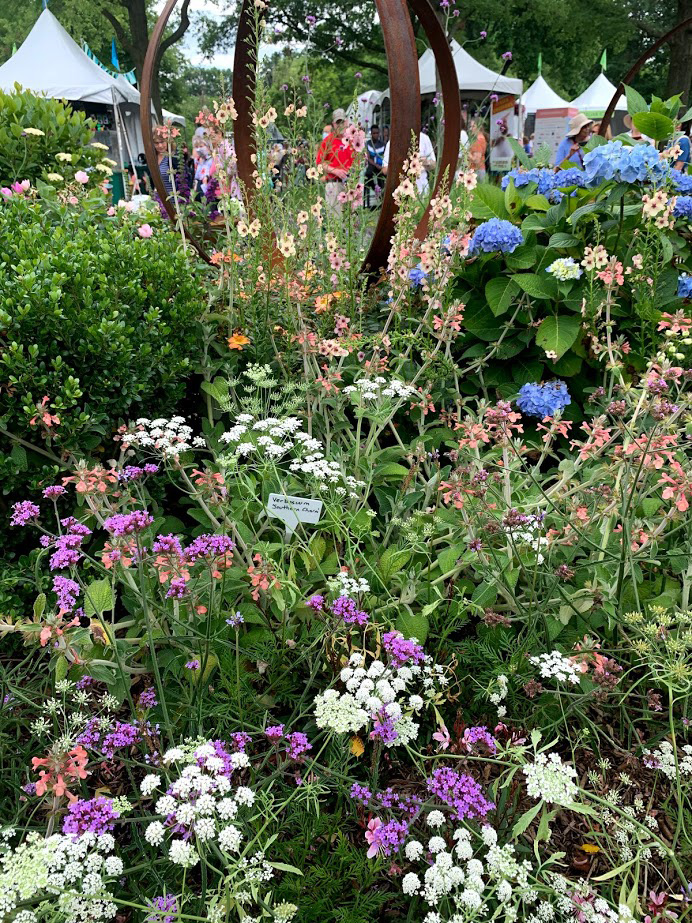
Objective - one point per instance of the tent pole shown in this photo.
(118, 134)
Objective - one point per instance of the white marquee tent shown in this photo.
(473, 76)
(540, 95)
(50, 63)
(595, 98)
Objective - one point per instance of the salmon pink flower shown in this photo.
(145, 230)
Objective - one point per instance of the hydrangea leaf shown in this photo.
(557, 334)
(489, 202)
(654, 124)
(500, 293)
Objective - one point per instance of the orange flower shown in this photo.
(237, 341)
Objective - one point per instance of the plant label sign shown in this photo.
(292, 510)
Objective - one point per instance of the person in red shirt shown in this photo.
(337, 157)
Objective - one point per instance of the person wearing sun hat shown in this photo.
(570, 148)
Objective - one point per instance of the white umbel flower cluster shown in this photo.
(556, 666)
(199, 802)
(69, 873)
(168, 438)
(663, 759)
(381, 697)
(378, 390)
(272, 439)
(551, 780)
(450, 873)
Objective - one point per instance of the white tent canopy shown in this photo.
(540, 95)
(595, 98)
(51, 63)
(362, 110)
(472, 76)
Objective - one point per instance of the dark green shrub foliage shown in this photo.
(93, 318)
(31, 156)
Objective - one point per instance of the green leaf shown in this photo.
(485, 594)
(538, 202)
(525, 820)
(391, 471)
(513, 201)
(500, 293)
(654, 124)
(282, 867)
(19, 456)
(413, 626)
(536, 286)
(524, 257)
(520, 153)
(526, 370)
(635, 102)
(557, 334)
(488, 202)
(98, 597)
(448, 558)
(480, 321)
(39, 605)
(562, 240)
(392, 561)
(686, 117)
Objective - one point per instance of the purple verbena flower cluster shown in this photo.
(297, 745)
(67, 592)
(52, 493)
(164, 909)
(167, 544)
(383, 728)
(387, 838)
(94, 816)
(479, 735)
(274, 733)
(135, 472)
(461, 792)
(128, 523)
(68, 545)
(316, 603)
(207, 546)
(147, 698)
(401, 650)
(347, 609)
(24, 512)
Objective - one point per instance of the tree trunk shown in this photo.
(139, 40)
(680, 68)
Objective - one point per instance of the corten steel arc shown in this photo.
(636, 67)
(451, 100)
(402, 57)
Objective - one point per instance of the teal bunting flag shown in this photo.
(130, 76)
(114, 56)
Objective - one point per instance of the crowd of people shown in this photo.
(210, 166)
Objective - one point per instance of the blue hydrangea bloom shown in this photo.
(681, 181)
(684, 286)
(617, 161)
(416, 275)
(683, 207)
(543, 177)
(496, 234)
(543, 400)
(572, 176)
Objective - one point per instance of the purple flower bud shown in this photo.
(507, 56)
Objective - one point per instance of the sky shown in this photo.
(189, 45)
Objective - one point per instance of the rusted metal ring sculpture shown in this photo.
(400, 48)
(634, 70)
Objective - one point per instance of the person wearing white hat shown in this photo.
(570, 148)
